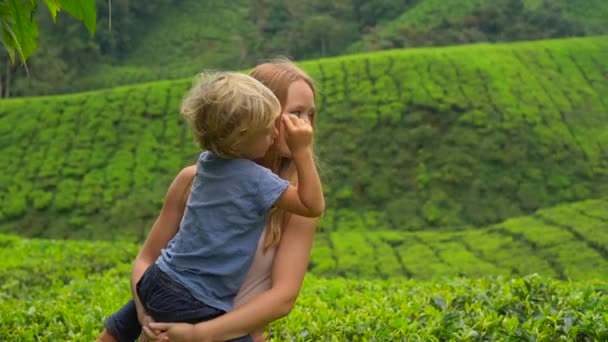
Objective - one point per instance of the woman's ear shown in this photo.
(278, 120)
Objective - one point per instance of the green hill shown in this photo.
(186, 37)
(428, 14)
(170, 39)
(436, 22)
(440, 138)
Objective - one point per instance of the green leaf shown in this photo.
(53, 6)
(23, 31)
(8, 40)
(6, 21)
(5, 13)
(568, 322)
(439, 303)
(82, 10)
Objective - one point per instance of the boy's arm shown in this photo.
(306, 199)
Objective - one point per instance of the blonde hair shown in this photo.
(226, 108)
(278, 75)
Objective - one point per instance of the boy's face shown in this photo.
(258, 144)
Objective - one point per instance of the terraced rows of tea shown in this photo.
(566, 242)
(443, 138)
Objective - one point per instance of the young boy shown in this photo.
(234, 117)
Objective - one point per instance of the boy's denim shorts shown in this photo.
(164, 300)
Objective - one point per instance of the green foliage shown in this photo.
(19, 30)
(169, 39)
(478, 136)
(411, 140)
(81, 10)
(566, 242)
(435, 22)
(529, 308)
(428, 13)
(62, 290)
(32, 267)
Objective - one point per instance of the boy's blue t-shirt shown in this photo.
(223, 221)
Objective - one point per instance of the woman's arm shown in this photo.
(288, 271)
(164, 228)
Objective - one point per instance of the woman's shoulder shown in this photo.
(188, 172)
(185, 175)
(181, 185)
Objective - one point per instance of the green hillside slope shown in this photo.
(188, 36)
(427, 14)
(409, 139)
(566, 242)
(436, 22)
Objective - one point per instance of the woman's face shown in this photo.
(300, 102)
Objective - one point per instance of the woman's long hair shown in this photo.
(278, 75)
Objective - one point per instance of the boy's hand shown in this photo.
(299, 133)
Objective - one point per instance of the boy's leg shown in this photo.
(105, 337)
(165, 300)
(168, 301)
(123, 325)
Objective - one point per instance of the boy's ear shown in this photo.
(237, 145)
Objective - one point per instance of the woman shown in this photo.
(275, 278)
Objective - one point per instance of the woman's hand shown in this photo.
(259, 337)
(144, 319)
(172, 332)
(142, 315)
